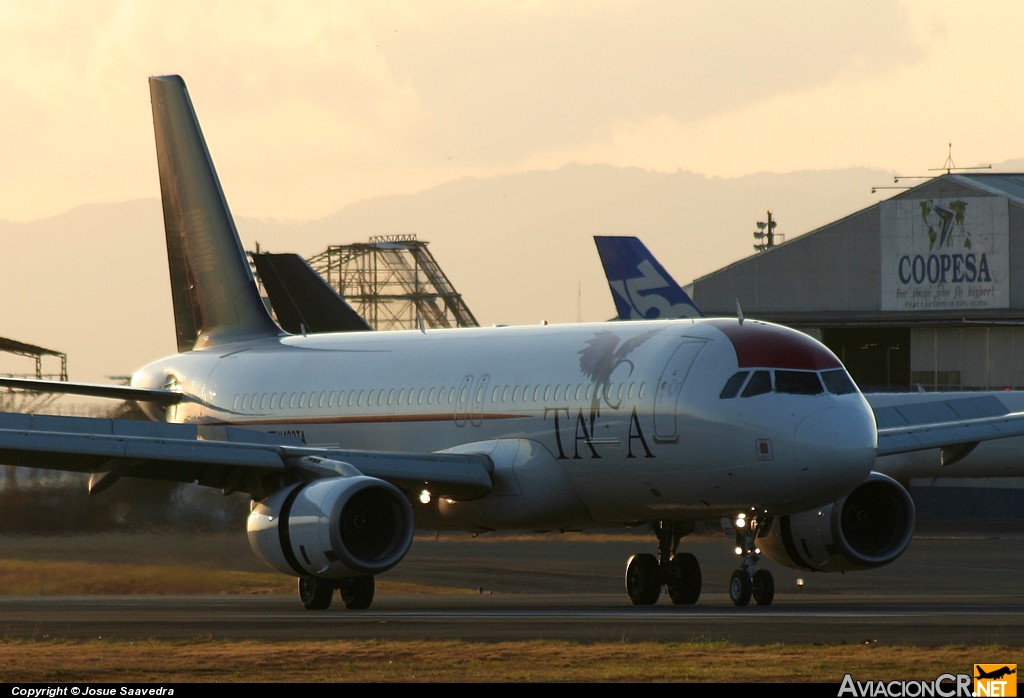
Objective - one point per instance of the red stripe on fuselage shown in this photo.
(259, 420)
(760, 344)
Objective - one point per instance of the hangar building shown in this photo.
(922, 291)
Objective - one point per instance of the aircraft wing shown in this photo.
(953, 422)
(238, 460)
(117, 392)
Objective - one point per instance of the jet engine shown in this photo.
(333, 528)
(867, 528)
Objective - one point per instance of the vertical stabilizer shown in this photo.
(215, 295)
(641, 287)
(302, 300)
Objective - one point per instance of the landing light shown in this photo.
(425, 497)
(739, 550)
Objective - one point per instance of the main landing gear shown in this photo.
(679, 573)
(316, 593)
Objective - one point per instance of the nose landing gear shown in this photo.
(749, 582)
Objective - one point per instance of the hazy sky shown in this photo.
(312, 105)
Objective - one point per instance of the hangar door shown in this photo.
(877, 358)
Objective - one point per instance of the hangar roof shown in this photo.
(1009, 185)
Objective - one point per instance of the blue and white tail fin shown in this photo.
(215, 296)
(641, 287)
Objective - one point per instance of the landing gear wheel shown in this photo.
(684, 580)
(764, 587)
(357, 593)
(740, 588)
(643, 581)
(315, 594)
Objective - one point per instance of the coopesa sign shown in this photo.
(944, 268)
(945, 254)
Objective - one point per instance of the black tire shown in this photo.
(643, 580)
(684, 579)
(740, 588)
(764, 588)
(357, 593)
(315, 594)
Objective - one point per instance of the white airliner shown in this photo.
(349, 442)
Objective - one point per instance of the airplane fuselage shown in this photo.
(594, 423)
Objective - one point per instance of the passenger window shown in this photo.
(732, 386)
(760, 383)
(838, 382)
(798, 382)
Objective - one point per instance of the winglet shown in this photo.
(212, 286)
(641, 287)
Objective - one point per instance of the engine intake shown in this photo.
(333, 528)
(868, 528)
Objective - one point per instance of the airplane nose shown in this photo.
(844, 437)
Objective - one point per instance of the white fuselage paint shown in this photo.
(629, 414)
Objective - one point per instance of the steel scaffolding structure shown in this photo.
(26, 401)
(393, 281)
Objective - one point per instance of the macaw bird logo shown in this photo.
(950, 224)
(604, 353)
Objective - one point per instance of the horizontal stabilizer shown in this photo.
(116, 392)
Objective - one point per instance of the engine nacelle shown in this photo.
(333, 528)
(868, 528)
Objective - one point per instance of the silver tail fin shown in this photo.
(214, 293)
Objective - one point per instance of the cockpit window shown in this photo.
(798, 382)
(732, 386)
(760, 383)
(838, 382)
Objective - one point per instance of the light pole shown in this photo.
(765, 234)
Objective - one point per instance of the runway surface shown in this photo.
(948, 588)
